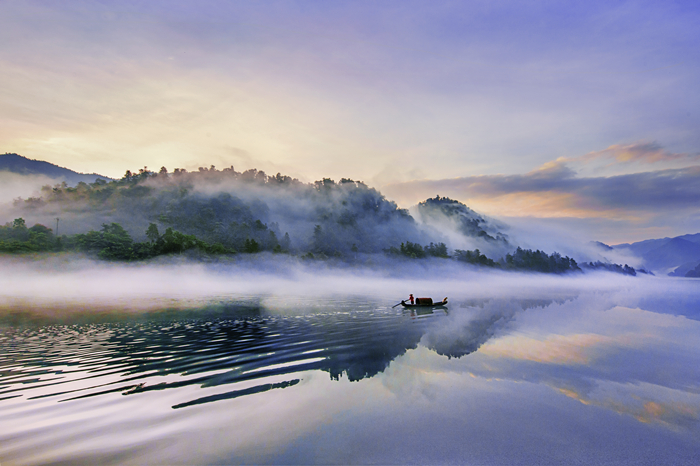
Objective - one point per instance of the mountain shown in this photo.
(673, 253)
(233, 209)
(692, 238)
(325, 218)
(15, 163)
(602, 246)
(641, 248)
(447, 215)
(684, 269)
(695, 273)
(681, 253)
(467, 222)
(219, 211)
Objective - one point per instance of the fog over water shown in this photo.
(279, 360)
(63, 280)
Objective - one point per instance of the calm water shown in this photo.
(574, 378)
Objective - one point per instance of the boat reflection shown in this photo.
(419, 313)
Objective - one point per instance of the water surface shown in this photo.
(562, 377)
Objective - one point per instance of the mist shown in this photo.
(327, 219)
(272, 340)
(76, 281)
(565, 238)
(15, 185)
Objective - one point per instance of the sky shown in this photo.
(579, 116)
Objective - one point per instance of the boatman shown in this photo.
(410, 297)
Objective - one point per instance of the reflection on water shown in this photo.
(82, 387)
(205, 347)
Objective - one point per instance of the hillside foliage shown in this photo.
(218, 212)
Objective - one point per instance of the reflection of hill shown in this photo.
(242, 350)
(217, 347)
(464, 332)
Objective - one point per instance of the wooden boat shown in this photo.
(424, 302)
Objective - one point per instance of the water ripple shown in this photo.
(68, 362)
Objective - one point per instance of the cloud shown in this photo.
(341, 90)
(646, 152)
(554, 190)
(637, 187)
(620, 159)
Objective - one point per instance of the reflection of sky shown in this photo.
(628, 360)
(592, 378)
(571, 382)
(578, 381)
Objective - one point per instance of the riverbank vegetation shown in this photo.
(113, 242)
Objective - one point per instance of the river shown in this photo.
(557, 375)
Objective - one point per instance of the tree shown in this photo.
(19, 230)
(113, 242)
(251, 246)
(318, 238)
(152, 233)
(437, 250)
(413, 250)
(174, 241)
(475, 257)
(272, 241)
(286, 242)
(41, 238)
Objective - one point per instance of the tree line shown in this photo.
(227, 212)
(113, 242)
(521, 259)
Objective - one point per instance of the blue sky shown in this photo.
(402, 95)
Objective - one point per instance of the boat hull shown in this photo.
(418, 306)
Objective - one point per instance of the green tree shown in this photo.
(152, 233)
(113, 242)
(251, 246)
(174, 241)
(413, 250)
(437, 250)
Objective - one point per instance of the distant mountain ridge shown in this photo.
(676, 256)
(16, 163)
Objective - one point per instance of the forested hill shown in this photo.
(230, 208)
(441, 210)
(148, 213)
(17, 164)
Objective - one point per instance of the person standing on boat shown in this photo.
(410, 297)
